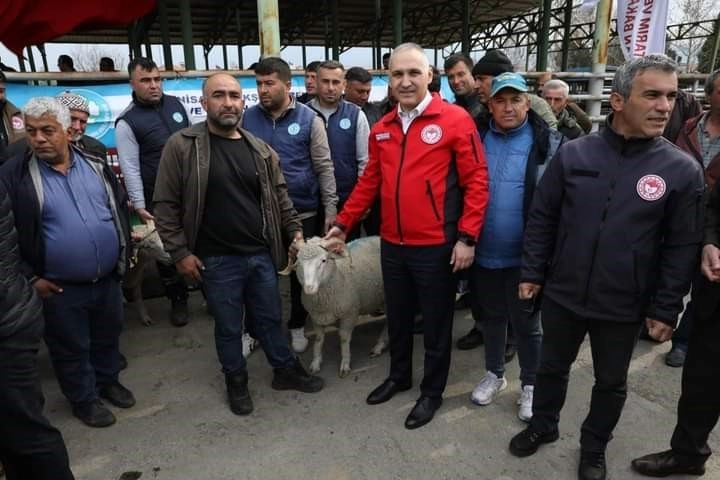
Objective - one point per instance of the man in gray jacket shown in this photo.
(224, 215)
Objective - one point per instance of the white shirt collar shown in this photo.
(407, 117)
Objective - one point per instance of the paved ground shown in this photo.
(182, 429)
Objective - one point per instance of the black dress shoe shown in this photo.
(93, 414)
(116, 394)
(529, 440)
(592, 466)
(473, 339)
(422, 412)
(667, 463)
(386, 391)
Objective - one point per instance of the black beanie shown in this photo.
(493, 63)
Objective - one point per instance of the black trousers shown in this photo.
(412, 276)
(611, 343)
(698, 407)
(30, 448)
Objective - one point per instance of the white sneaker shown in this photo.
(249, 344)
(525, 402)
(298, 339)
(485, 391)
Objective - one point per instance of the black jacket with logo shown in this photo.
(615, 227)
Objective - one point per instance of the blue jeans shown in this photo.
(232, 284)
(82, 332)
(494, 295)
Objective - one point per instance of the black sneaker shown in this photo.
(295, 377)
(93, 414)
(675, 357)
(592, 466)
(529, 440)
(238, 393)
(179, 312)
(117, 394)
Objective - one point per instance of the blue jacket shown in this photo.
(516, 161)
(289, 136)
(152, 126)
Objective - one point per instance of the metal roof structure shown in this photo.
(361, 23)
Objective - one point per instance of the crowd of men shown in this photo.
(559, 233)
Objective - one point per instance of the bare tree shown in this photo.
(689, 11)
(87, 58)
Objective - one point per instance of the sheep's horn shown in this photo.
(289, 269)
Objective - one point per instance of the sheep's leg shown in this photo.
(382, 342)
(345, 330)
(138, 301)
(317, 349)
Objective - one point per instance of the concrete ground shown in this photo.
(181, 427)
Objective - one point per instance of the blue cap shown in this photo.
(508, 80)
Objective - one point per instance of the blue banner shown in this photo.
(108, 101)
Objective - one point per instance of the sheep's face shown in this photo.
(147, 244)
(315, 266)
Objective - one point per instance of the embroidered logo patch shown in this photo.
(431, 134)
(345, 123)
(18, 123)
(651, 187)
(177, 116)
(382, 136)
(294, 128)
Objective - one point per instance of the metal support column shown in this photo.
(378, 35)
(43, 56)
(238, 28)
(187, 35)
(268, 28)
(567, 27)
(31, 58)
(544, 37)
(397, 22)
(148, 48)
(165, 34)
(225, 56)
(304, 52)
(335, 30)
(465, 12)
(599, 55)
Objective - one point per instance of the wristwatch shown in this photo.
(466, 239)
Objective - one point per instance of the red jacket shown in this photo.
(432, 181)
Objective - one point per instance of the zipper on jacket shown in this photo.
(397, 189)
(432, 200)
(597, 237)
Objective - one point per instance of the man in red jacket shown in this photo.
(427, 164)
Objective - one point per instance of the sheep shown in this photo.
(340, 282)
(147, 248)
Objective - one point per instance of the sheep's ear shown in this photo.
(335, 245)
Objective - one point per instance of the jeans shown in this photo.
(82, 332)
(494, 293)
(412, 276)
(232, 284)
(30, 448)
(611, 343)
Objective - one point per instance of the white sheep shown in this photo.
(340, 282)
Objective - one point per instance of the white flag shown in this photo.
(641, 26)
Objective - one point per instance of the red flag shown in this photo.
(30, 22)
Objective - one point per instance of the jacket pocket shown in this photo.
(432, 200)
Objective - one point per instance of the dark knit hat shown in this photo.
(493, 63)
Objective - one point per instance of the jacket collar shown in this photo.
(622, 144)
(435, 107)
(200, 130)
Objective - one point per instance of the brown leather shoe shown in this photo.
(666, 463)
